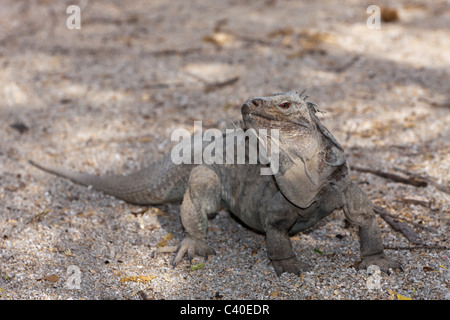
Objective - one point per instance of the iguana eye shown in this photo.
(285, 105)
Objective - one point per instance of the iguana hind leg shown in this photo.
(201, 198)
(358, 210)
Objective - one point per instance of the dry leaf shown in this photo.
(389, 14)
(164, 240)
(143, 279)
(52, 278)
(400, 297)
(156, 211)
(286, 31)
(197, 266)
(273, 294)
(219, 38)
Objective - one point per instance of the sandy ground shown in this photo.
(105, 98)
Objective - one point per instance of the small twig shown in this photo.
(417, 247)
(444, 104)
(176, 52)
(412, 179)
(438, 186)
(397, 225)
(218, 85)
(347, 65)
(426, 204)
(416, 225)
(415, 181)
(252, 40)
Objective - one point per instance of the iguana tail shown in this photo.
(161, 182)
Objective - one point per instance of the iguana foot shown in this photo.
(381, 261)
(192, 247)
(291, 265)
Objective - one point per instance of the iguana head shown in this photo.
(309, 154)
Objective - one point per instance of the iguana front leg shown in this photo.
(201, 198)
(358, 210)
(279, 248)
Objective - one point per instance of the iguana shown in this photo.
(312, 180)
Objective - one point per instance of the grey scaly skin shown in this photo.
(311, 182)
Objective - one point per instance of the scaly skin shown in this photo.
(311, 182)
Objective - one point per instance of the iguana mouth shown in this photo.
(251, 118)
(248, 114)
(258, 121)
(256, 114)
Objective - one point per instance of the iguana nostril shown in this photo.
(246, 109)
(256, 102)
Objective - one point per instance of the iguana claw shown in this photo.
(291, 265)
(381, 261)
(192, 247)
